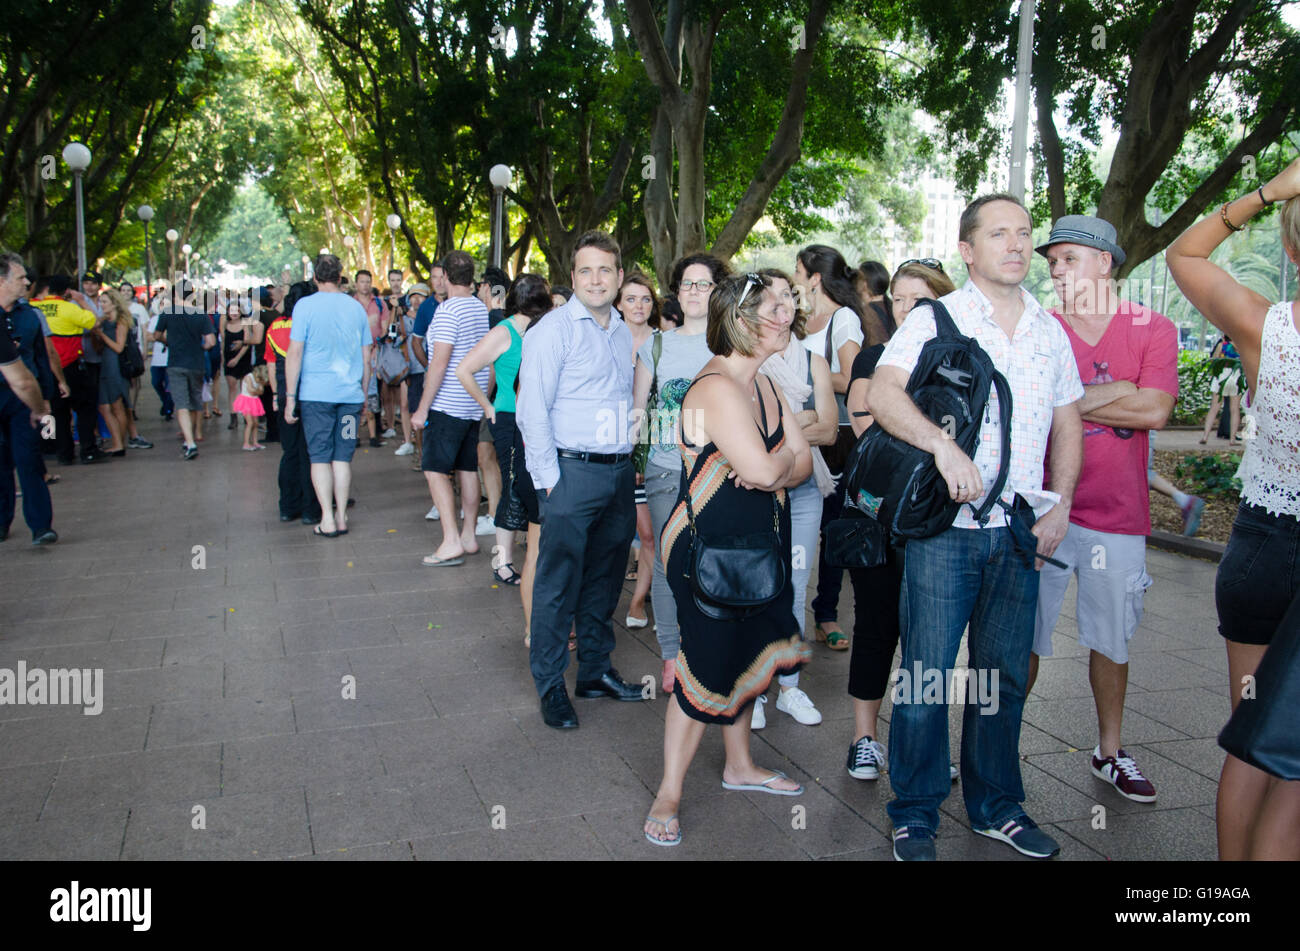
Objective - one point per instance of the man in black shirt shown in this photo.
(187, 332)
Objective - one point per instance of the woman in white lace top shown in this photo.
(1258, 814)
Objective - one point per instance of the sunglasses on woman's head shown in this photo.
(750, 280)
(934, 264)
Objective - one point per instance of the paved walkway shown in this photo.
(225, 732)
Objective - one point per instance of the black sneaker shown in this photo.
(1023, 836)
(912, 846)
(190, 452)
(46, 538)
(377, 443)
(139, 442)
(866, 759)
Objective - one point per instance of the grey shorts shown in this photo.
(186, 387)
(330, 430)
(1112, 583)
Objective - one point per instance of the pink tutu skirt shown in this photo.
(247, 405)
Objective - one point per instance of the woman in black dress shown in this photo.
(238, 352)
(740, 457)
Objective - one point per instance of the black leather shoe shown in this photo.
(557, 710)
(308, 520)
(287, 518)
(610, 685)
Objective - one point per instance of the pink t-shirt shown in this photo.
(1141, 346)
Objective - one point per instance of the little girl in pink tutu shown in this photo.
(249, 403)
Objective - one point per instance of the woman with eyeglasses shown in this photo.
(834, 330)
(742, 451)
(1258, 579)
(876, 590)
(668, 374)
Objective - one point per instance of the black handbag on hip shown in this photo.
(734, 576)
(1262, 730)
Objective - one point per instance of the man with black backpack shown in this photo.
(979, 572)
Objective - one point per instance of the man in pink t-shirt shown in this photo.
(1128, 361)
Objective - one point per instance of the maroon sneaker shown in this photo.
(1123, 773)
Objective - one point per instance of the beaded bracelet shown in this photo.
(1223, 213)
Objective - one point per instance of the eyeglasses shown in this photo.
(750, 280)
(934, 264)
(702, 286)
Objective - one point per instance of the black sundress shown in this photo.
(723, 665)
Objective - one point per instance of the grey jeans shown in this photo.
(805, 525)
(661, 488)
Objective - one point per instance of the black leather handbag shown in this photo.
(855, 542)
(734, 576)
(1262, 730)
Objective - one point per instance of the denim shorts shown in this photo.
(330, 430)
(1258, 576)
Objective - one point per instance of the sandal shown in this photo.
(51, 478)
(674, 840)
(631, 576)
(573, 640)
(835, 640)
(513, 577)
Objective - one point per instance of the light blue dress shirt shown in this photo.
(575, 389)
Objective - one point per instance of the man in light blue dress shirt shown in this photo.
(575, 397)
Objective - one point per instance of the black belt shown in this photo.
(606, 458)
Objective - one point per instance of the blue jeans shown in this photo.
(805, 522)
(958, 577)
(158, 377)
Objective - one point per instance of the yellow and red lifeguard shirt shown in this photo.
(67, 322)
(277, 339)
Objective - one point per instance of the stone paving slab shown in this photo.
(228, 687)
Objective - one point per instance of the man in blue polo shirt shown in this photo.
(24, 361)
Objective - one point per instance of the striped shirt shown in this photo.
(1037, 361)
(461, 322)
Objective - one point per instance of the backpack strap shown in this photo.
(1003, 389)
(944, 325)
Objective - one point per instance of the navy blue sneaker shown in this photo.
(1023, 836)
(913, 846)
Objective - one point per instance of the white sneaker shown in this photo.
(796, 703)
(485, 526)
(758, 719)
(635, 622)
(405, 449)
(390, 432)
(952, 773)
(432, 515)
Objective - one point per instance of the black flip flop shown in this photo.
(317, 532)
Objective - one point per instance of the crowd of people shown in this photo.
(606, 423)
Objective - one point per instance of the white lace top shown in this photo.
(1270, 467)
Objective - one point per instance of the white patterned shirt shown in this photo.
(1038, 364)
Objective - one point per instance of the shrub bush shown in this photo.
(1211, 474)
(1196, 372)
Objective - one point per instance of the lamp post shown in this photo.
(145, 214)
(306, 268)
(394, 221)
(185, 250)
(499, 176)
(350, 243)
(78, 158)
(172, 236)
(1020, 125)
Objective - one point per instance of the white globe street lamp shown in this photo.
(499, 176)
(78, 158)
(394, 221)
(145, 214)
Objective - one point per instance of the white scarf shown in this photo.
(789, 371)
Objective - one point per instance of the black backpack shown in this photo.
(898, 484)
(129, 360)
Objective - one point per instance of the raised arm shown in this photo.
(1235, 309)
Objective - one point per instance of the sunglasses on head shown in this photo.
(934, 264)
(750, 280)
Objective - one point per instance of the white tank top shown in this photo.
(1270, 467)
